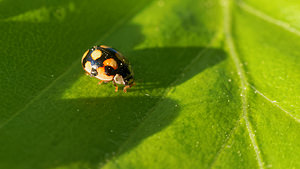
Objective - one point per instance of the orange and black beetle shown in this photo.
(107, 64)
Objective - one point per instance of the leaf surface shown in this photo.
(217, 85)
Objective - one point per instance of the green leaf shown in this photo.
(217, 85)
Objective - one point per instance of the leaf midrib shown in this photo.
(238, 64)
(227, 14)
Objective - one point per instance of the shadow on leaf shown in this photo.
(160, 67)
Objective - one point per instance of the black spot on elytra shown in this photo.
(109, 70)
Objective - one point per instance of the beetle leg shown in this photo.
(115, 86)
(100, 82)
(125, 88)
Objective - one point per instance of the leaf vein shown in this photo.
(227, 139)
(275, 104)
(267, 18)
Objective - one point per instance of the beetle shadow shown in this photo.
(161, 67)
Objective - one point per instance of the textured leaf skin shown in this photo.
(217, 85)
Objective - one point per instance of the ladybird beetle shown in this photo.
(107, 64)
